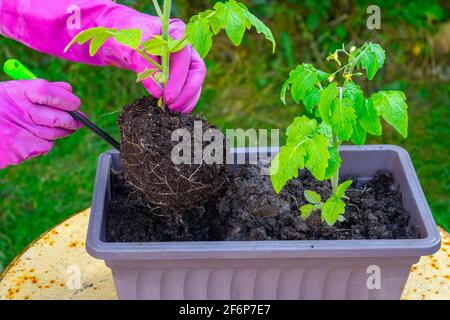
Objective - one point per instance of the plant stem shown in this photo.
(336, 144)
(335, 177)
(149, 60)
(165, 36)
(157, 8)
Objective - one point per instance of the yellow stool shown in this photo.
(45, 269)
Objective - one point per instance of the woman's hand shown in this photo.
(187, 69)
(48, 26)
(32, 115)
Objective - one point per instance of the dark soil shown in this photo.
(249, 209)
(146, 148)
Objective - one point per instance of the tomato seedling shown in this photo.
(231, 16)
(337, 114)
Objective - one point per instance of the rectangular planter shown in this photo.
(319, 269)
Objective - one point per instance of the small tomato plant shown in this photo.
(231, 16)
(338, 113)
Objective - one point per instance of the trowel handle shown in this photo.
(17, 71)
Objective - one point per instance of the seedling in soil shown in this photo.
(338, 111)
(231, 16)
(145, 130)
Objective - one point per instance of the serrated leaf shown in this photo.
(261, 28)
(88, 34)
(306, 211)
(235, 22)
(154, 46)
(353, 92)
(327, 98)
(326, 130)
(380, 54)
(311, 99)
(216, 24)
(343, 118)
(342, 188)
(372, 59)
(129, 37)
(333, 163)
(285, 166)
(317, 156)
(97, 42)
(359, 135)
(200, 36)
(391, 105)
(332, 209)
(312, 197)
(322, 75)
(366, 115)
(300, 130)
(302, 81)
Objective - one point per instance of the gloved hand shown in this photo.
(187, 69)
(48, 26)
(32, 117)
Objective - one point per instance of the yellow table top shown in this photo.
(45, 269)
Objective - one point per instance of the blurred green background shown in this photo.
(242, 90)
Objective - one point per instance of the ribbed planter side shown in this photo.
(293, 279)
(297, 269)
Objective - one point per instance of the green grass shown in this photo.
(241, 90)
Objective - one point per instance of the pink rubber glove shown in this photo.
(32, 116)
(48, 26)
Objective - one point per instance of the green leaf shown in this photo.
(391, 105)
(312, 197)
(327, 98)
(129, 37)
(317, 156)
(353, 92)
(342, 188)
(366, 114)
(300, 130)
(343, 118)
(261, 28)
(200, 36)
(302, 81)
(306, 211)
(322, 75)
(234, 21)
(333, 163)
(97, 42)
(332, 209)
(359, 135)
(326, 130)
(285, 166)
(216, 24)
(154, 45)
(311, 99)
(88, 34)
(372, 59)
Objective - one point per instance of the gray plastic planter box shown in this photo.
(270, 269)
